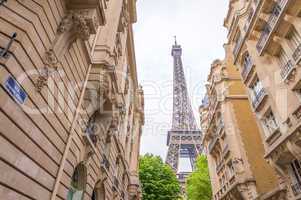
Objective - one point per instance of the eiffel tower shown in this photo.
(184, 138)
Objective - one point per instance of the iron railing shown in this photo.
(296, 189)
(297, 53)
(263, 37)
(270, 25)
(286, 69)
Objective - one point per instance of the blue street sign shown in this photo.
(13, 87)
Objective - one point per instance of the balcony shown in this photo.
(212, 144)
(247, 68)
(286, 70)
(297, 54)
(263, 38)
(251, 17)
(270, 25)
(296, 188)
(258, 99)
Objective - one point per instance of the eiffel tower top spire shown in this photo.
(183, 118)
(176, 40)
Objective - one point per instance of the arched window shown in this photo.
(98, 192)
(78, 183)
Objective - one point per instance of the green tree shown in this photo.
(198, 183)
(158, 180)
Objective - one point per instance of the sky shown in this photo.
(198, 25)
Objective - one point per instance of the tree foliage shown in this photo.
(158, 180)
(198, 184)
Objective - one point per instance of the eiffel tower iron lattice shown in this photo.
(184, 138)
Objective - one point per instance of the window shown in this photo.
(296, 168)
(250, 15)
(256, 88)
(78, 183)
(270, 123)
(247, 60)
(295, 174)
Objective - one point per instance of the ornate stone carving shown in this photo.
(65, 24)
(82, 22)
(118, 45)
(124, 19)
(122, 109)
(51, 60)
(51, 65)
(104, 82)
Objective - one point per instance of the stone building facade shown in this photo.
(265, 40)
(72, 110)
(264, 45)
(231, 138)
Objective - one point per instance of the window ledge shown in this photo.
(273, 137)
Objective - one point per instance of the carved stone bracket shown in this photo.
(83, 22)
(51, 66)
(124, 18)
(42, 79)
(122, 109)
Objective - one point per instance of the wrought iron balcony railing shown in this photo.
(263, 37)
(270, 25)
(296, 189)
(258, 98)
(286, 70)
(297, 53)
